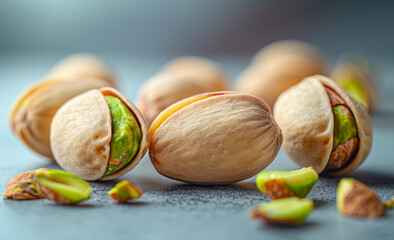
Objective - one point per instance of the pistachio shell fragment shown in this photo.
(24, 186)
(355, 199)
(62, 187)
(278, 66)
(83, 65)
(282, 184)
(83, 129)
(334, 141)
(32, 113)
(214, 138)
(125, 191)
(285, 211)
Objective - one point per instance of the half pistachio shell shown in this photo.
(32, 113)
(206, 72)
(83, 65)
(214, 138)
(305, 116)
(81, 133)
(279, 66)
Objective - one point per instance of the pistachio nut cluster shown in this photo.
(323, 126)
(98, 135)
(179, 79)
(278, 66)
(214, 138)
(354, 75)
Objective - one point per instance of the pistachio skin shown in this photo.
(214, 138)
(304, 113)
(295, 183)
(125, 191)
(63, 187)
(285, 211)
(355, 199)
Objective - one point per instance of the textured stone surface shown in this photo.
(174, 210)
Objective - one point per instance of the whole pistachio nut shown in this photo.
(98, 135)
(323, 126)
(357, 82)
(164, 89)
(214, 138)
(279, 66)
(285, 211)
(84, 65)
(125, 191)
(24, 186)
(206, 72)
(62, 187)
(31, 115)
(282, 184)
(355, 199)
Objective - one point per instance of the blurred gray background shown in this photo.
(202, 27)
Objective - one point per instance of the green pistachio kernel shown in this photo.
(345, 127)
(125, 191)
(62, 187)
(288, 211)
(355, 88)
(126, 135)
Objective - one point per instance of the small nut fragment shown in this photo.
(285, 211)
(389, 204)
(125, 191)
(24, 186)
(355, 199)
(63, 187)
(282, 184)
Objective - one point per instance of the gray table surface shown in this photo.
(173, 210)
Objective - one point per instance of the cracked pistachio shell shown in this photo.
(83, 65)
(31, 115)
(214, 138)
(206, 72)
(305, 116)
(81, 133)
(279, 66)
(164, 89)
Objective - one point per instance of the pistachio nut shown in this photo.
(214, 138)
(355, 199)
(357, 81)
(279, 66)
(164, 89)
(125, 191)
(206, 72)
(323, 126)
(285, 211)
(62, 187)
(282, 184)
(24, 186)
(31, 115)
(83, 65)
(98, 135)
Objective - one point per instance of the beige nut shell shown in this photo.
(206, 72)
(81, 133)
(162, 90)
(217, 140)
(32, 112)
(304, 114)
(82, 65)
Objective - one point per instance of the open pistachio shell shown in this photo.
(82, 65)
(32, 113)
(214, 138)
(164, 89)
(81, 133)
(305, 116)
(279, 66)
(206, 72)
